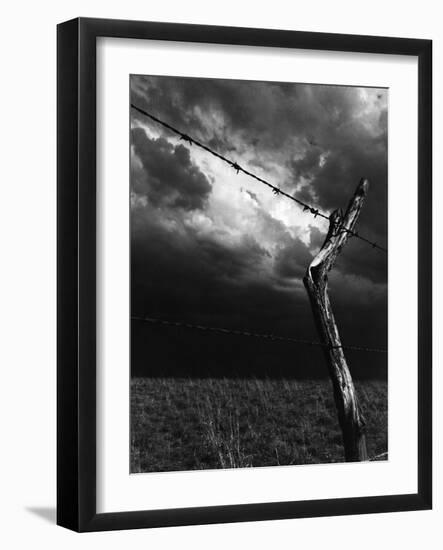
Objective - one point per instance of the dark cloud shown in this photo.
(323, 139)
(292, 260)
(184, 275)
(253, 196)
(264, 117)
(276, 120)
(168, 176)
(334, 182)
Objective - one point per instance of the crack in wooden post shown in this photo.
(350, 416)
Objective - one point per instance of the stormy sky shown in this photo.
(212, 247)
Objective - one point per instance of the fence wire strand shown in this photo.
(250, 334)
(235, 166)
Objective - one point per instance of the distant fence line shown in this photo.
(247, 333)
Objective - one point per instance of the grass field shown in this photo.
(194, 424)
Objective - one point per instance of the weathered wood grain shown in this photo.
(351, 419)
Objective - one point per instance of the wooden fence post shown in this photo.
(350, 417)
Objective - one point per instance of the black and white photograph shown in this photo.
(220, 274)
(258, 273)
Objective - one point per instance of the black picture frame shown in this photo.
(76, 266)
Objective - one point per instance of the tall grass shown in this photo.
(187, 424)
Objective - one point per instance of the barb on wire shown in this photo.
(236, 167)
(186, 138)
(272, 337)
(276, 190)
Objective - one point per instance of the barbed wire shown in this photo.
(276, 190)
(250, 334)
